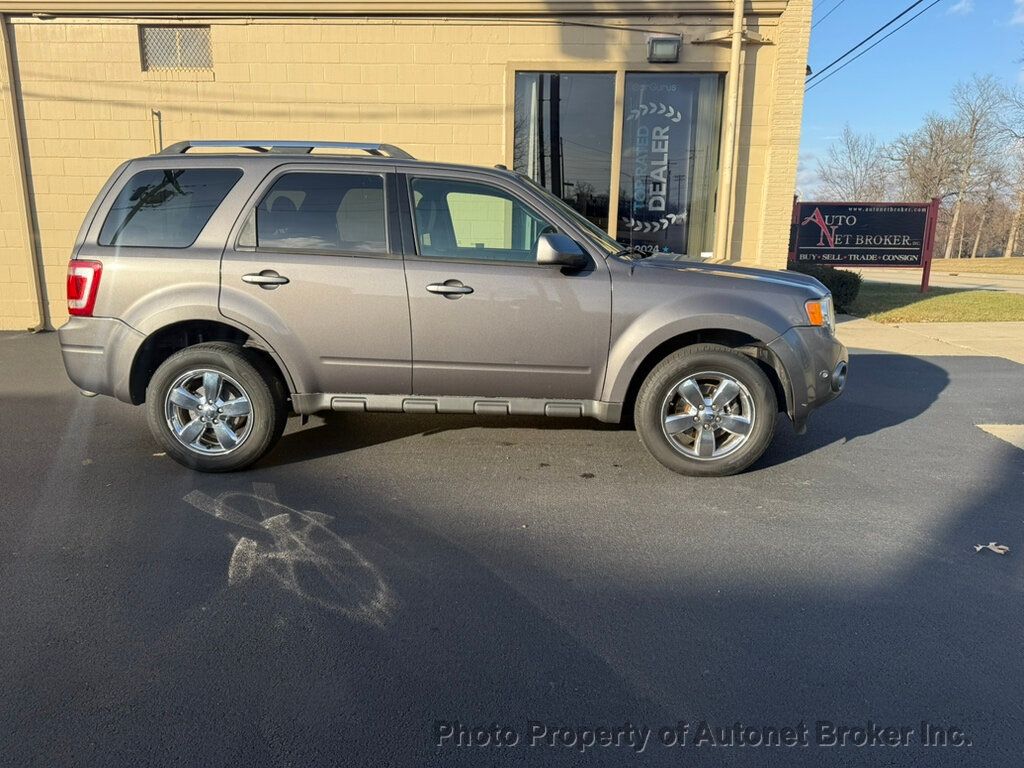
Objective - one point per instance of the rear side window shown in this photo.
(323, 212)
(166, 208)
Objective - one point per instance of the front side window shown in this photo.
(606, 242)
(467, 220)
(166, 208)
(323, 212)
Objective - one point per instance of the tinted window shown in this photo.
(466, 220)
(563, 136)
(166, 208)
(323, 212)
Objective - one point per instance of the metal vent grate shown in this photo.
(166, 48)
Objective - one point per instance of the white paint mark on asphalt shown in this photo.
(999, 549)
(220, 509)
(1011, 433)
(298, 550)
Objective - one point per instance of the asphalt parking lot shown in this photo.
(378, 579)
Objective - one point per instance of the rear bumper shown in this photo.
(98, 354)
(816, 364)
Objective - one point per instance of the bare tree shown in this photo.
(923, 161)
(1017, 198)
(972, 160)
(1013, 127)
(984, 215)
(978, 104)
(854, 168)
(1012, 122)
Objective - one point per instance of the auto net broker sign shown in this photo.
(860, 234)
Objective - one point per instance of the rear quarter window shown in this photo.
(166, 208)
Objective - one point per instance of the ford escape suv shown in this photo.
(228, 287)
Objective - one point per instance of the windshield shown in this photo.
(608, 244)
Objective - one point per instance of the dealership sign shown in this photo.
(864, 234)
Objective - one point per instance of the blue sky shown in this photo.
(888, 90)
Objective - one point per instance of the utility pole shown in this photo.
(540, 130)
(725, 186)
(554, 110)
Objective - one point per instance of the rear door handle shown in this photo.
(451, 289)
(267, 279)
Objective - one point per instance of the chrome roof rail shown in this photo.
(300, 147)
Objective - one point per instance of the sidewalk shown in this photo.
(934, 339)
(975, 281)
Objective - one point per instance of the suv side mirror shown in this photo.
(560, 250)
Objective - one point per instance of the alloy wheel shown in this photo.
(208, 412)
(708, 415)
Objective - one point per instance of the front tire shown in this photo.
(707, 411)
(214, 408)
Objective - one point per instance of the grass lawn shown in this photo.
(889, 303)
(1014, 266)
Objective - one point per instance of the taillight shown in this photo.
(83, 285)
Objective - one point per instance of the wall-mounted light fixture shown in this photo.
(663, 50)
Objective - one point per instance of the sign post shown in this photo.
(929, 245)
(865, 235)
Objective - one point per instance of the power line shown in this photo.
(898, 16)
(830, 12)
(881, 39)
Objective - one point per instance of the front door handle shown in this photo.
(268, 279)
(451, 289)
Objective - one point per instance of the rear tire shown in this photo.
(707, 411)
(215, 408)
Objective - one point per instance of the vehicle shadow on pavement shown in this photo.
(901, 388)
(882, 391)
(338, 433)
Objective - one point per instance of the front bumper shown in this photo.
(815, 363)
(98, 354)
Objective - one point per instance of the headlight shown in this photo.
(820, 312)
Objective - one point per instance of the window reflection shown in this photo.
(563, 136)
(166, 208)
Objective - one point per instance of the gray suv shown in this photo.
(229, 287)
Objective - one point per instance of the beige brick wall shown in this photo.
(438, 89)
(784, 119)
(17, 303)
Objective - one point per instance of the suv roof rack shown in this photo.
(301, 147)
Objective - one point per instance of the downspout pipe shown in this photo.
(11, 94)
(732, 108)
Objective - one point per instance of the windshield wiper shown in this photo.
(632, 253)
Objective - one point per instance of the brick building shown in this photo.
(627, 108)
